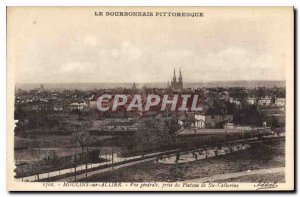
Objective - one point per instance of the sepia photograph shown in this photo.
(150, 98)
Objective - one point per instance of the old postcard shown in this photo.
(150, 98)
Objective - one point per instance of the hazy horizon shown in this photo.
(211, 84)
(156, 82)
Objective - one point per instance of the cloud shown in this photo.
(126, 52)
(235, 63)
(130, 50)
(77, 67)
(231, 58)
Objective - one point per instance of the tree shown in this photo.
(275, 123)
(82, 138)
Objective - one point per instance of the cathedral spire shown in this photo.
(180, 76)
(174, 76)
(180, 83)
(176, 84)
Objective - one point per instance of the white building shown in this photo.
(78, 106)
(280, 102)
(200, 121)
(229, 125)
(264, 101)
(234, 101)
(210, 120)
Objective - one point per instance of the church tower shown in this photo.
(180, 83)
(176, 84)
(174, 81)
(134, 88)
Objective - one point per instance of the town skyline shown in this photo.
(91, 86)
(154, 82)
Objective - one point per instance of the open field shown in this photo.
(259, 156)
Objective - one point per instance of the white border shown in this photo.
(150, 3)
(4, 3)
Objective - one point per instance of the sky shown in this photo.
(71, 45)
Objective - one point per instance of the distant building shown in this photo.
(200, 121)
(134, 88)
(93, 102)
(251, 101)
(176, 84)
(213, 120)
(210, 119)
(229, 126)
(80, 106)
(264, 101)
(42, 88)
(280, 102)
(234, 101)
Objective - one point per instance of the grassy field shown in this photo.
(259, 156)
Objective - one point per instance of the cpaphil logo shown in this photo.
(150, 102)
